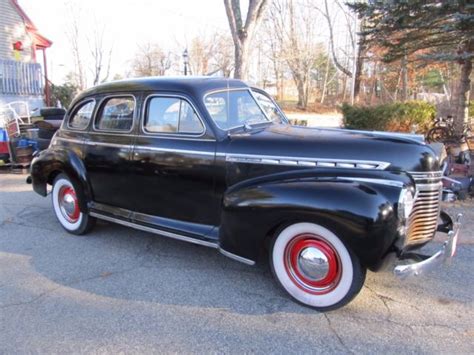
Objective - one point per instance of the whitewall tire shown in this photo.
(66, 207)
(315, 267)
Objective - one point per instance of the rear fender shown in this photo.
(52, 161)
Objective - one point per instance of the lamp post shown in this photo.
(185, 61)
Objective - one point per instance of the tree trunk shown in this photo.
(358, 68)
(302, 97)
(243, 31)
(241, 60)
(325, 83)
(404, 79)
(462, 113)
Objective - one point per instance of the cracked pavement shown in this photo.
(121, 290)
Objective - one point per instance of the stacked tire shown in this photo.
(52, 119)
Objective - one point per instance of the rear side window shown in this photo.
(82, 115)
(116, 114)
(171, 115)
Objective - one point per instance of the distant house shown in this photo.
(22, 78)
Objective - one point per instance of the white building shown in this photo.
(22, 78)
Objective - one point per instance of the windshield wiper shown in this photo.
(248, 124)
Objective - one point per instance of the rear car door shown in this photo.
(108, 150)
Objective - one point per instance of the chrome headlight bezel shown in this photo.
(406, 202)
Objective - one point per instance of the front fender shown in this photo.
(59, 160)
(359, 208)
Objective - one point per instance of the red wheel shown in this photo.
(315, 267)
(66, 207)
(312, 264)
(68, 204)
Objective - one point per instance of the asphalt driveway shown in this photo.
(121, 290)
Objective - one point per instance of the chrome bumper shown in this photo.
(446, 252)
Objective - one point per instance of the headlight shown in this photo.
(406, 202)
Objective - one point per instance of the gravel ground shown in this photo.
(120, 290)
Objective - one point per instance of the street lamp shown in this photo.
(185, 61)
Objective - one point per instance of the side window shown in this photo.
(171, 115)
(82, 115)
(269, 107)
(116, 114)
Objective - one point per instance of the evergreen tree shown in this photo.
(434, 30)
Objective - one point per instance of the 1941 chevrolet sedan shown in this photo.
(214, 162)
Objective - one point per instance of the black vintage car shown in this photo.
(214, 162)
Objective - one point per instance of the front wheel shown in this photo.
(66, 207)
(315, 267)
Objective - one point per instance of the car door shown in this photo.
(173, 159)
(108, 150)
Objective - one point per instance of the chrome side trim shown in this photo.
(374, 181)
(236, 257)
(70, 140)
(303, 161)
(104, 144)
(161, 137)
(155, 230)
(117, 145)
(171, 150)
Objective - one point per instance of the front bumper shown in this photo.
(443, 255)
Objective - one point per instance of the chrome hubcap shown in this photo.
(313, 264)
(68, 204)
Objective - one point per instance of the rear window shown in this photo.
(116, 114)
(82, 115)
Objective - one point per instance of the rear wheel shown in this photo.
(66, 207)
(315, 267)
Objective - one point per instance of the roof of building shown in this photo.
(39, 40)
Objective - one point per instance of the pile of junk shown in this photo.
(458, 170)
(23, 133)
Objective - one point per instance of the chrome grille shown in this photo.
(423, 219)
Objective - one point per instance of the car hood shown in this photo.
(402, 153)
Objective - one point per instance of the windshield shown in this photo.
(234, 108)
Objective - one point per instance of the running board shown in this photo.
(172, 235)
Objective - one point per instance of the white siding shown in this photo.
(12, 29)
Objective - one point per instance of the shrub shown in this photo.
(395, 117)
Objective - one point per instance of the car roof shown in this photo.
(191, 85)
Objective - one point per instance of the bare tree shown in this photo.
(221, 56)
(243, 33)
(200, 52)
(295, 27)
(358, 44)
(101, 56)
(74, 37)
(274, 33)
(151, 60)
